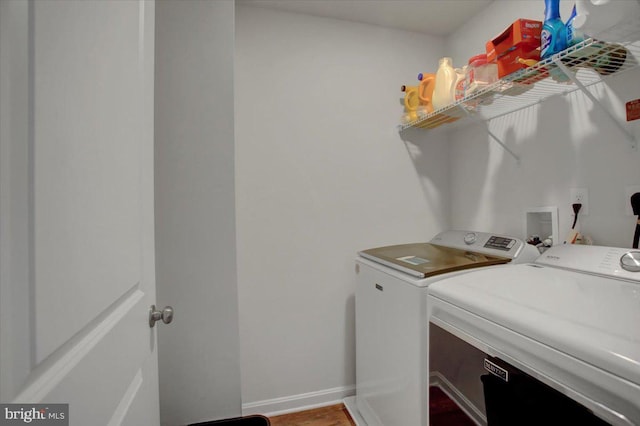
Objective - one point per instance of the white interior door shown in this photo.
(76, 213)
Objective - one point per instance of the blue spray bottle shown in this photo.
(572, 34)
(553, 30)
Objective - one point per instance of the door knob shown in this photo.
(166, 315)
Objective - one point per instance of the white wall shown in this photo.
(195, 211)
(565, 142)
(321, 172)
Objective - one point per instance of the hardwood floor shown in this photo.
(333, 415)
(442, 412)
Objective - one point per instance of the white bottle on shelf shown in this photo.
(444, 91)
(460, 84)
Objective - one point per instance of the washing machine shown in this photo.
(392, 333)
(567, 324)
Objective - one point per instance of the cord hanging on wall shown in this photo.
(635, 205)
(574, 236)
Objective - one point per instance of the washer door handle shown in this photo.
(166, 315)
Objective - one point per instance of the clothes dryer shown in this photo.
(392, 335)
(570, 321)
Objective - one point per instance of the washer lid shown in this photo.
(424, 259)
(589, 317)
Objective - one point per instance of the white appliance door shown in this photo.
(76, 215)
(391, 350)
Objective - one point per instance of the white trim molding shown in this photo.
(300, 402)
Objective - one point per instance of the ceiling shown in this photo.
(436, 17)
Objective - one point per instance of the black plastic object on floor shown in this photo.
(238, 421)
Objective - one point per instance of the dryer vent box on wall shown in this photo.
(543, 222)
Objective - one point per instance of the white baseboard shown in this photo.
(304, 401)
(437, 379)
(352, 408)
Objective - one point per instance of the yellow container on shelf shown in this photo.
(411, 103)
(417, 103)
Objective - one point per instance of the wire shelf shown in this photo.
(575, 68)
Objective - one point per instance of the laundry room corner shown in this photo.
(320, 212)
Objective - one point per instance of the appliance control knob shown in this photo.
(630, 261)
(470, 238)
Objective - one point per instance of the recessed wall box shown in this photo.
(543, 222)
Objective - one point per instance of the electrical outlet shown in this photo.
(629, 190)
(579, 195)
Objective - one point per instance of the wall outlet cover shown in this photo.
(579, 195)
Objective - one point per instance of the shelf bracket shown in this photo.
(491, 134)
(630, 137)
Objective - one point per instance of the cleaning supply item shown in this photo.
(553, 39)
(481, 74)
(635, 205)
(425, 91)
(443, 93)
(460, 84)
(527, 62)
(573, 35)
(425, 95)
(605, 58)
(411, 103)
(521, 39)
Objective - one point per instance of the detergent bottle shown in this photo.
(553, 38)
(425, 91)
(460, 83)
(411, 103)
(573, 35)
(444, 90)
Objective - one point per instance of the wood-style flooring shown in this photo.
(333, 415)
(442, 412)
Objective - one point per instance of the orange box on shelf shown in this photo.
(520, 40)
